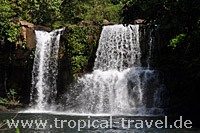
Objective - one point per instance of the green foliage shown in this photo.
(177, 40)
(69, 10)
(44, 12)
(75, 11)
(13, 32)
(11, 98)
(8, 28)
(17, 130)
(80, 45)
(3, 100)
(78, 63)
(112, 13)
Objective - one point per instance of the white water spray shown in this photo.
(118, 84)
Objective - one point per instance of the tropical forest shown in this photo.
(82, 63)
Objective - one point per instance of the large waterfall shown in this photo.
(118, 84)
(44, 74)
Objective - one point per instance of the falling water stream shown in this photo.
(118, 84)
(44, 74)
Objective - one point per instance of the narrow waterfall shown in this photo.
(119, 84)
(44, 74)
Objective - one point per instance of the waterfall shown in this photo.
(118, 84)
(119, 48)
(44, 74)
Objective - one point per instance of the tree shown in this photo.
(179, 17)
(9, 29)
(75, 11)
(44, 12)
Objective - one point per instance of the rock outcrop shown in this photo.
(106, 22)
(139, 21)
(3, 108)
(28, 34)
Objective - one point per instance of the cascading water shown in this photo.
(44, 74)
(119, 48)
(118, 84)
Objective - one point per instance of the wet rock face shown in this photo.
(29, 36)
(27, 32)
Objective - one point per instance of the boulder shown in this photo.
(139, 21)
(26, 24)
(106, 22)
(3, 108)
